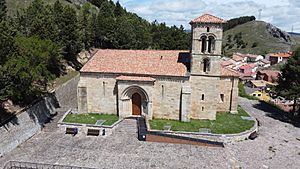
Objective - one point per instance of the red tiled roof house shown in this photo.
(167, 84)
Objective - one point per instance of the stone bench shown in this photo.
(71, 130)
(93, 132)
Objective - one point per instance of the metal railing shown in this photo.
(29, 165)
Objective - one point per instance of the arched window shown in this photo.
(206, 65)
(203, 47)
(211, 44)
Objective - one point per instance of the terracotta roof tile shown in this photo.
(207, 18)
(248, 66)
(237, 58)
(229, 72)
(145, 62)
(284, 55)
(135, 78)
(225, 63)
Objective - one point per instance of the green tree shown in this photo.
(3, 10)
(37, 20)
(28, 71)
(7, 43)
(86, 26)
(119, 11)
(289, 81)
(69, 35)
(105, 25)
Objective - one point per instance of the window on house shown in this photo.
(104, 85)
(211, 44)
(254, 95)
(202, 97)
(202, 108)
(259, 95)
(222, 97)
(162, 91)
(206, 65)
(208, 29)
(203, 41)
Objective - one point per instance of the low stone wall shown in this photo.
(83, 128)
(26, 124)
(224, 138)
(66, 94)
(32, 119)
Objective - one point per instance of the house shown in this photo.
(254, 58)
(276, 58)
(248, 70)
(159, 83)
(268, 75)
(264, 63)
(229, 63)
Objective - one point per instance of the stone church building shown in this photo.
(166, 84)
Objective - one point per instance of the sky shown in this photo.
(284, 14)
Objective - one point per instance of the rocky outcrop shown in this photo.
(277, 33)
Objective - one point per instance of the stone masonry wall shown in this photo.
(101, 93)
(31, 121)
(225, 87)
(167, 96)
(66, 94)
(25, 125)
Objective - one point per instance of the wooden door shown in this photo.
(136, 104)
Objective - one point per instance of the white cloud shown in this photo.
(281, 13)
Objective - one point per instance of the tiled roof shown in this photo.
(135, 78)
(237, 58)
(284, 55)
(265, 61)
(141, 62)
(248, 66)
(225, 63)
(272, 73)
(229, 72)
(207, 18)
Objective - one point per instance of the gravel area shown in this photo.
(276, 147)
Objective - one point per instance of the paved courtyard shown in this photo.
(276, 147)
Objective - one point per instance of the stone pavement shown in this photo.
(119, 150)
(276, 147)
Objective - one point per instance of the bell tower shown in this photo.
(207, 33)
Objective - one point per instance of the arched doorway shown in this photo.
(136, 104)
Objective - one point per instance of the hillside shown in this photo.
(16, 5)
(257, 37)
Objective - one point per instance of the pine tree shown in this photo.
(86, 27)
(70, 33)
(3, 10)
(289, 81)
(119, 11)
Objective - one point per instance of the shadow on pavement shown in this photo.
(277, 114)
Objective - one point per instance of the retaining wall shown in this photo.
(26, 124)
(32, 119)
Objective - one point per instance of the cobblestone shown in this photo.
(276, 147)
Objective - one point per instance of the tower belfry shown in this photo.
(207, 33)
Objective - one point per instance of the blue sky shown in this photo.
(284, 14)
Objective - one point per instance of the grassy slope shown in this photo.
(16, 5)
(255, 31)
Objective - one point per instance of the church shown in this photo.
(162, 84)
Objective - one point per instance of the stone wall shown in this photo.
(101, 93)
(167, 96)
(26, 124)
(31, 120)
(66, 94)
